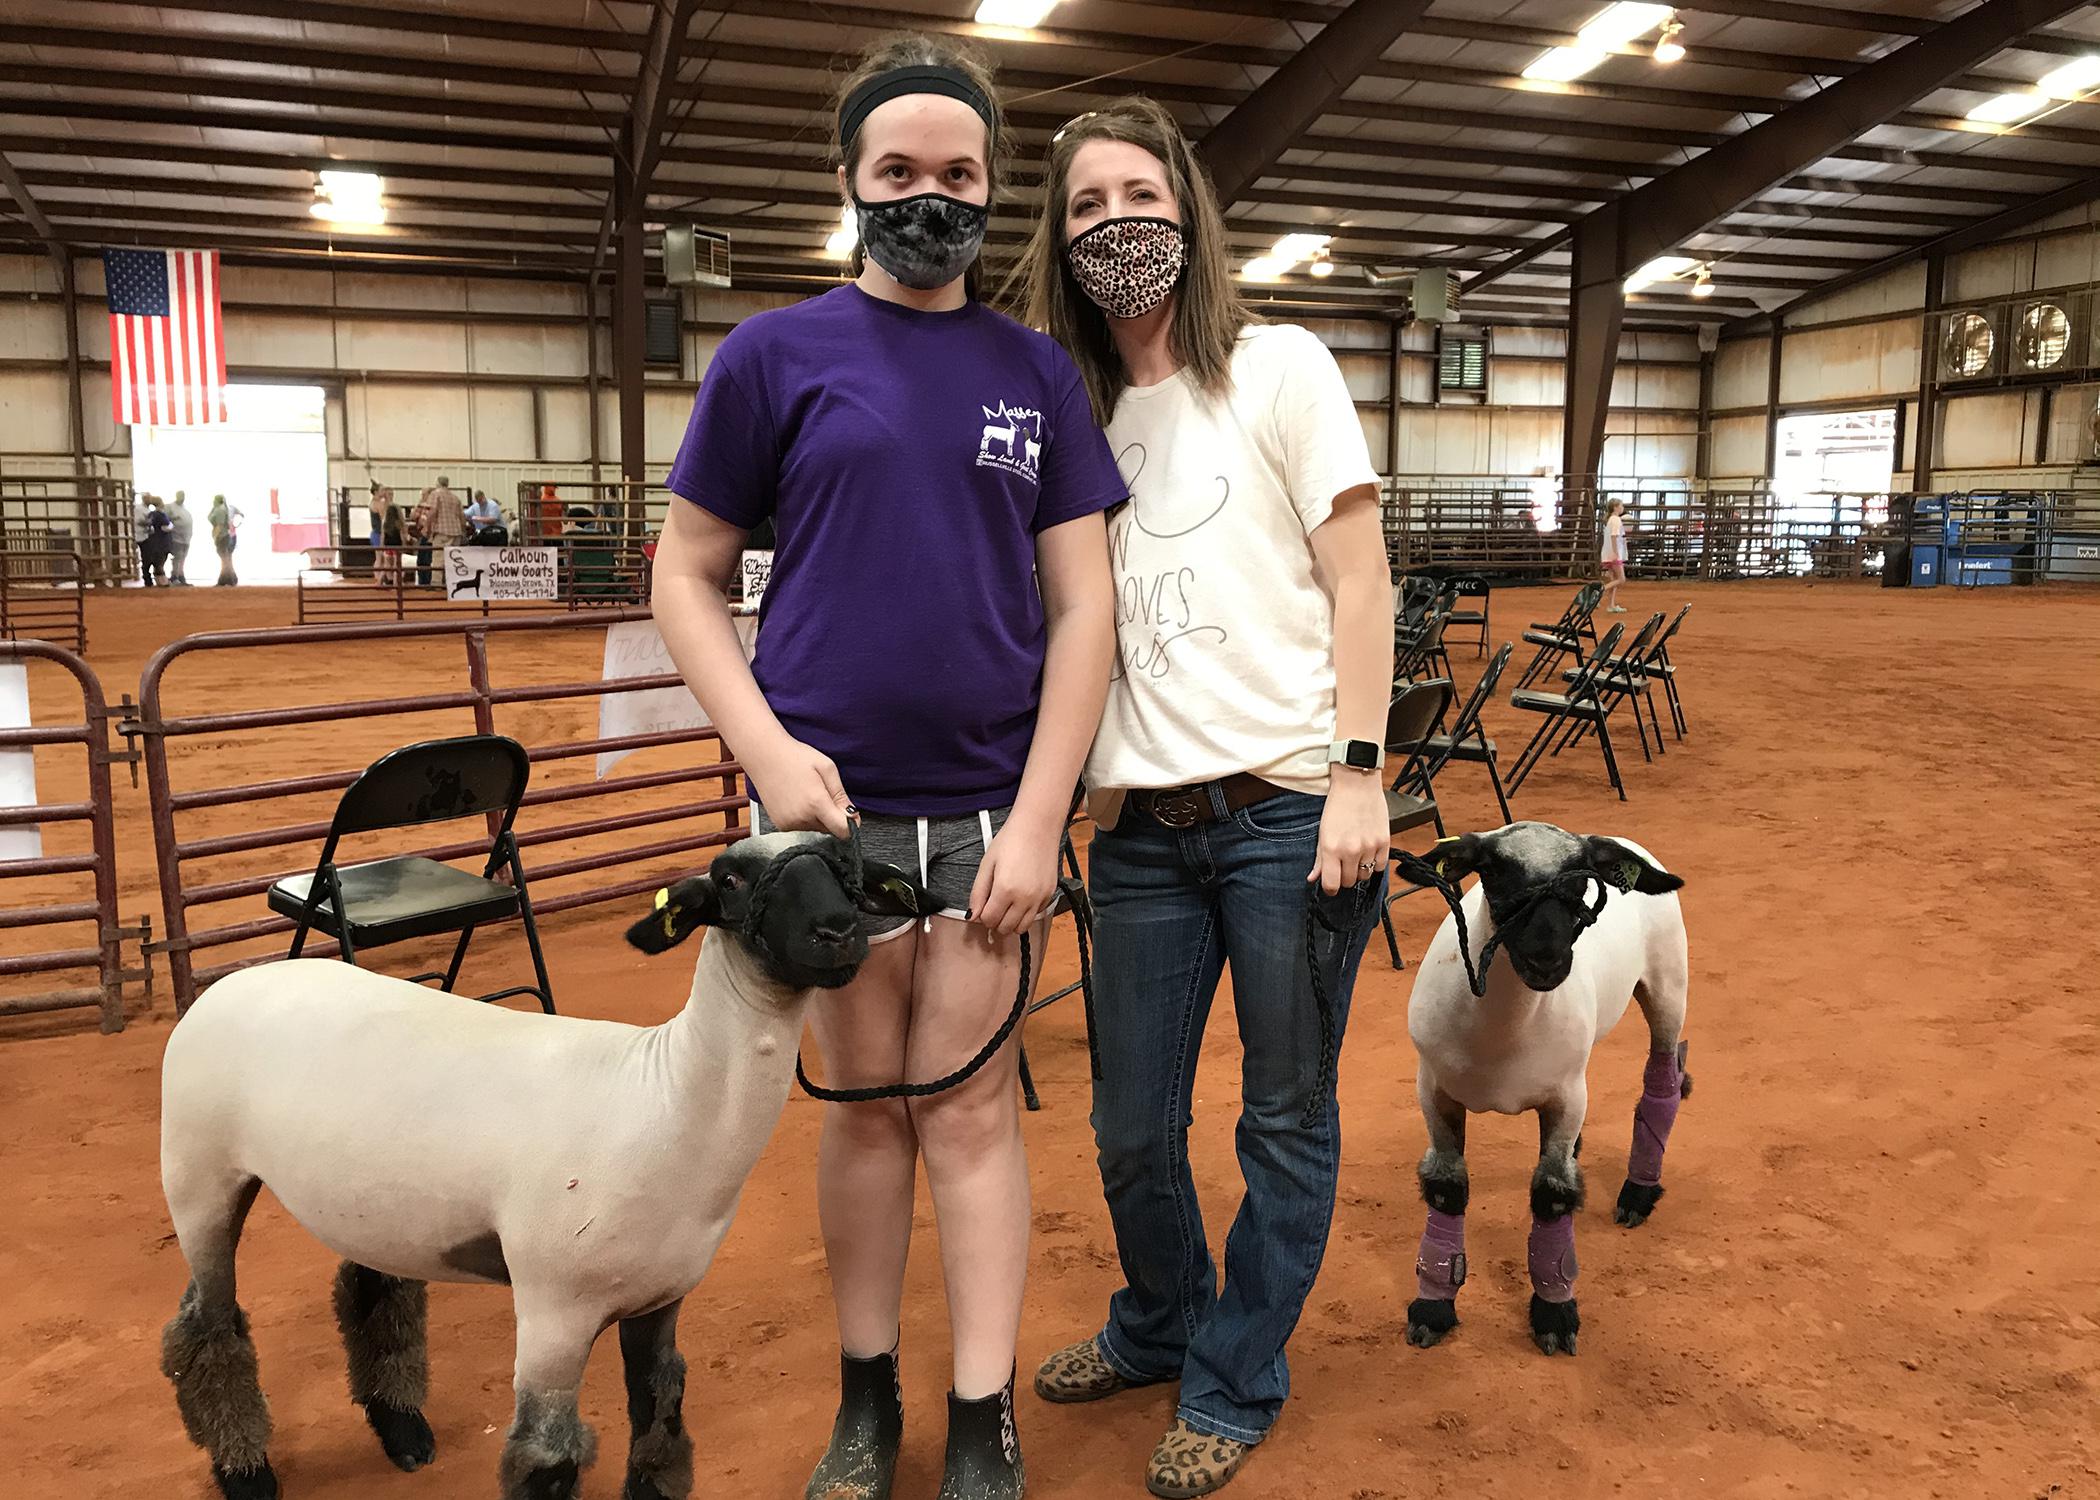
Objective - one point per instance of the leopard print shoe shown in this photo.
(1079, 1374)
(1188, 1463)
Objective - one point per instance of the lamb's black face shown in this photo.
(1524, 872)
(806, 931)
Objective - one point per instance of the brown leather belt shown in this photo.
(1186, 806)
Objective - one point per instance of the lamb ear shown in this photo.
(1455, 858)
(887, 891)
(1628, 871)
(680, 909)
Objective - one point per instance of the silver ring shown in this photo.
(1368, 865)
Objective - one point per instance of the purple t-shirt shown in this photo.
(908, 460)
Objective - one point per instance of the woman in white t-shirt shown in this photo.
(1614, 555)
(1235, 780)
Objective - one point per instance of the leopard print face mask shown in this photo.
(1128, 266)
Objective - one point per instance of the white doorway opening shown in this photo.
(1821, 454)
(269, 459)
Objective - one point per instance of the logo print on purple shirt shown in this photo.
(1012, 440)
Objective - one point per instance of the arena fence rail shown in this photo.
(87, 514)
(43, 596)
(186, 886)
(98, 863)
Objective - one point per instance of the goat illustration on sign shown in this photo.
(1012, 439)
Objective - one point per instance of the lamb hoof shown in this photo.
(1428, 1320)
(641, 1487)
(404, 1435)
(1554, 1325)
(247, 1484)
(1636, 1203)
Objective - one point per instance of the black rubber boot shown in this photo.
(863, 1453)
(984, 1450)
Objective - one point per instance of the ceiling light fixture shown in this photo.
(1703, 286)
(1321, 266)
(1613, 26)
(1668, 47)
(1662, 268)
(349, 200)
(1023, 15)
(1287, 252)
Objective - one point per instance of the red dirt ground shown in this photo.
(1874, 1274)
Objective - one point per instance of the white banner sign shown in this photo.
(633, 648)
(17, 767)
(502, 573)
(758, 573)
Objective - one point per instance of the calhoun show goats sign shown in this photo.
(502, 573)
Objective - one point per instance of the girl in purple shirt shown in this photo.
(933, 653)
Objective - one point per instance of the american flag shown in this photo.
(167, 346)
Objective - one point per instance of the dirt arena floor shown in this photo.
(1874, 1274)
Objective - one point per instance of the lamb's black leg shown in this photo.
(383, 1322)
(205, 1349)
(1556, 1194)
(1440, 1263)
(548, 1446)
(660, 1454)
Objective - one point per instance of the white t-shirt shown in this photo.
(1225, 639)
(1614, 539)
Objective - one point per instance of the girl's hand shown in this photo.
(799, 789)
(1017, 880)
(1355, 834)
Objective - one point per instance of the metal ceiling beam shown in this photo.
(1968, 237)
(62, 265)
(1661, 215)
(1246, 143)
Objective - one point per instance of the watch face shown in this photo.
(1363, 755)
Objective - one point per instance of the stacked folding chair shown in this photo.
(1419, 653)
(1467, 740)
(1411, 722)
(1624, 676)
(1562, 712)
(1565, 636)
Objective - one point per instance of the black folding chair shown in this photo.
(1623, 677)
(1072, 900)
(1421, 652)
(1565, 636)
(1471, 586)
(408, 896)
(1660, 667)
(1579, 702)
(1411, 720)
(1467, 740)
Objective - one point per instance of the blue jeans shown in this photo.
(1171, 909)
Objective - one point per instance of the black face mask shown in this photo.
(924, 241)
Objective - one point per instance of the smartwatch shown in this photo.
(1358, 755)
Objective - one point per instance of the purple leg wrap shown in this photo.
(1662, 1087)
(1553, 1258)
(1440, 1265)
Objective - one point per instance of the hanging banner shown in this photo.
(17, 767)
(634, 648)
(502, 573)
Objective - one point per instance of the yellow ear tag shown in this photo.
(663, 905)
(1629, 874)
(900, 890)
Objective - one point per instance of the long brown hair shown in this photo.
(909, 49)
(1208, 313)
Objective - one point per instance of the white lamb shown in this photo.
(1522, 1041)
(592, 1167)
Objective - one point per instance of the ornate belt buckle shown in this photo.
(1175, 809)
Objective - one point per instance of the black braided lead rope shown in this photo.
(1083, 930)
(939, 1085)
(1570, 885)
(1330, 1059)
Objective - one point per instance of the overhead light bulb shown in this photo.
(1662, 268)
(1024, 15)
(1322, 267)
(1668, 48)
(1704, 285)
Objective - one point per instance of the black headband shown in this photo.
(918, 78)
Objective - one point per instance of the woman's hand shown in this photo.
(1017, 880)
(1355, 834)
(799, 788)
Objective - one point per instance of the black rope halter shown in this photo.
(1571, 886)
(851, 874)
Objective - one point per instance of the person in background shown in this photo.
(1614, 557)
(153, 551)
(485, 522)
(142, 533)
(1239, 811)
(184, 528)
(381, 498)
(548, 514)
(386, 538)
(225, 523)
(440, 522)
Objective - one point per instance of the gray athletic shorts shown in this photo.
(943, 854)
